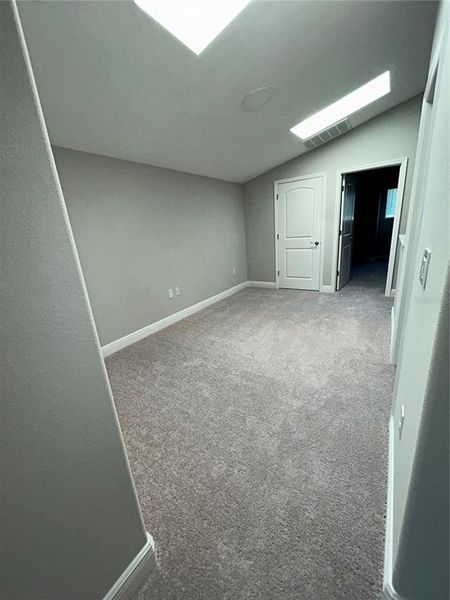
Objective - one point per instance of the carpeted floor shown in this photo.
(257, 435)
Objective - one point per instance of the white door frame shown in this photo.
(403, 164)
(276, 183)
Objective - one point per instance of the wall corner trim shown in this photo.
(140, 334)
(262, 284)
(390, 594)
(327, 289)
(136, 573)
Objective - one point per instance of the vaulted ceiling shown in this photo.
(114, 82)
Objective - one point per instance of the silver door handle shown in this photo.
(315, 243)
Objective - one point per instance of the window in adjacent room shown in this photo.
(390, 204)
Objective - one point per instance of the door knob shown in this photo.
(315, 243)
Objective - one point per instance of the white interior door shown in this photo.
(299, 209)
(346, 230)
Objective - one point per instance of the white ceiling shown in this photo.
(114, 82)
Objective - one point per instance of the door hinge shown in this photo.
(340, 231)
(278, 236)
(278, 273)
(277, 196)
(337, 273)
(342, 188)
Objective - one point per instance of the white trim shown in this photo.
(399, 162)
(300, 177)
(262, 284)
(322, 232)
(388, 540)
(275, 230)
(432, 75)
(137, 572)
(391, 347)
(327, 289)
(276, 183)
(396, 226)
(389, 592)
(140, 334)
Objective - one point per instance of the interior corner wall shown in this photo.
(70, 522)
(141, 230)
(390, 136)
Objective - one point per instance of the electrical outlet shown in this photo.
(424, 266)
(234, 270)
(170, 292)
(177, 291)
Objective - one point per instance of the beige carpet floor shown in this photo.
(257, 435)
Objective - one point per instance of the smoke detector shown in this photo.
(257, 98)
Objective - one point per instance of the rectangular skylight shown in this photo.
(194, 22)
(374, 89)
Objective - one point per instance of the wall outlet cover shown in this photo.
(170, 292)
(177, 291)
(424, 266)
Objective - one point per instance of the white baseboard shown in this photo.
(140, 334)
(262, 284)
(327, 289)
(389, 592)
(137, 572)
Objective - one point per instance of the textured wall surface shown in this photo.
(420, 454)
(392, 135)
(140, 230)
(70, 522)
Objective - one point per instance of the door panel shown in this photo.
(346, 231)
(300, 213)
(299, 206)
(346, 261)
(299, 263)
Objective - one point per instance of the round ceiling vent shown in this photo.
(257, 98)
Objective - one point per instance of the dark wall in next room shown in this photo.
(372, 230)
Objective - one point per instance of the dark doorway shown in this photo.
(374, 217)
(375, 196)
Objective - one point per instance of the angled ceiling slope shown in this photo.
(114, 82)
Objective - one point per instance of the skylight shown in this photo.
(374, 89)
(194, 22)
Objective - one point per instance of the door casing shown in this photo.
(403, 164)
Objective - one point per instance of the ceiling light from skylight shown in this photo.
(196, 23)
(369, 92)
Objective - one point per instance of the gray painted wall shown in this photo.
(70, 522)
(392, 135)
(140, 230)
(420, 457)
(422, 557)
